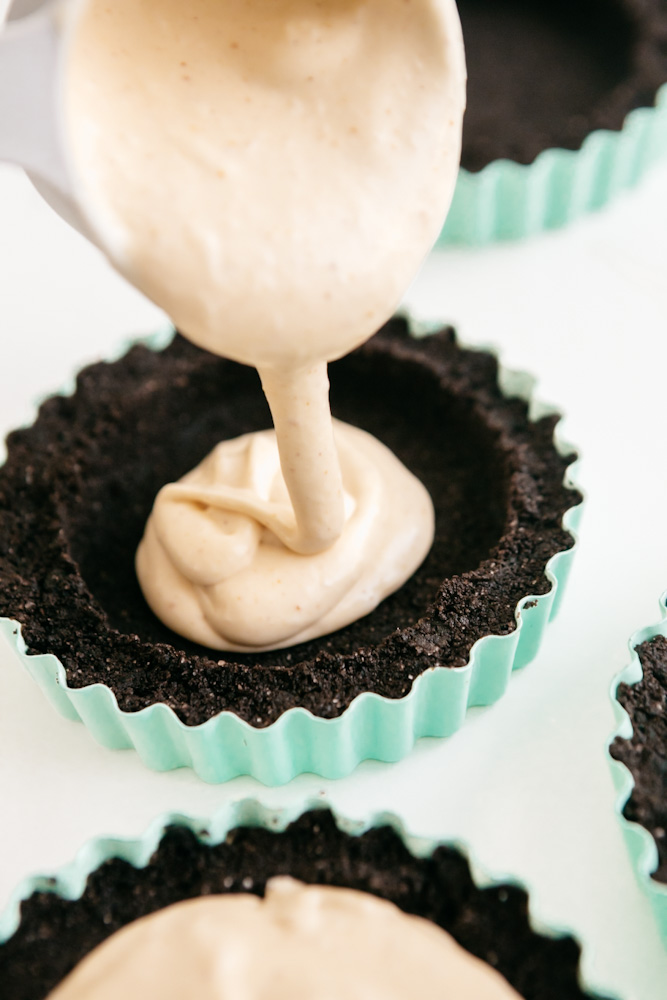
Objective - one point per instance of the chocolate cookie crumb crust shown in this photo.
(543, 73)
(645, 754)
(55, 934)
(78, 486)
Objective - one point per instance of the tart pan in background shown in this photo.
(53, 921)
(567, 106)
(638, 757)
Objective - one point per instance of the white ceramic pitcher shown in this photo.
(33, 42)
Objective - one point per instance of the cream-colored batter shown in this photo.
(271, 173)
(216, 560)
(298, 943)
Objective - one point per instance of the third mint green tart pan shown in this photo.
(641, 844)
(507, 200)
(399, 678)
(51, 923)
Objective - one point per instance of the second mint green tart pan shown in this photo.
(485, 911)
(508, 200)
(373, 727)
(642, 846)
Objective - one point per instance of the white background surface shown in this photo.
(525, 784)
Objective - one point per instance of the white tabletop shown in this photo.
(526, 784)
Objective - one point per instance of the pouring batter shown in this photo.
(272, 173)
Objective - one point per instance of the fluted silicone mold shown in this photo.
(642, 846)
(373, 727)
(508, 200)
(69, 881)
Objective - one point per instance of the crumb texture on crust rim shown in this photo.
(645, 752)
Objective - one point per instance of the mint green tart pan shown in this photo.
(245, 844)
(507, 200)
(642, 846)
(372, 727)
